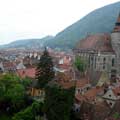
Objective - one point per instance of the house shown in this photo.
(9, 66)
(101, 51)
(20, 66)
(92, 95)
(82, 86)
(35, 92)
(112, 96)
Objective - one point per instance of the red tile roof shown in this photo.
(82, 82)
(80, 98)
(9, 64)
(98, 42)
(92, 93)
(28, 72)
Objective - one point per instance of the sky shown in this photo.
(22, 19)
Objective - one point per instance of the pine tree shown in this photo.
(44, 71)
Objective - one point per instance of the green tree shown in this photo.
(12, 92)
(58, 102)
(80, 64)
(44, 71)
(26, 82)
(30, 113)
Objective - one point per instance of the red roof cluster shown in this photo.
(28, 72)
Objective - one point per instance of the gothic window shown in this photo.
(113, 62)
(104, 59)
(110, 104)
(109, 95)
(103, 66)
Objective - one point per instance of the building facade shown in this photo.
(101, 51)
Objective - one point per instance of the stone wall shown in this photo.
(115, 40)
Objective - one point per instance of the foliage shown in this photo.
(30, 112)
(80, 64)
(116, 115)
(26, 82)
(45, 71)
(12, 92)
(58, 102)
(5, 117)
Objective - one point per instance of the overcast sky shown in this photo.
(20, 19)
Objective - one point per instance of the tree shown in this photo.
(80, 64)
(29, 113)
(44, 71)
(12, 93)
(58, 102)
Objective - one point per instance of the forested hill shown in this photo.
(98, 21)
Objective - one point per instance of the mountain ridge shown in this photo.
(101, 20)
(88, 25)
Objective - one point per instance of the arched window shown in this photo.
(113, 62)
(104, 59)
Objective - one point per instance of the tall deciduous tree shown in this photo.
(44, 71)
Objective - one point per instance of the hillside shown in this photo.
(28, 43)
(99, 21)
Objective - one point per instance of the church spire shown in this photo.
(117, 24)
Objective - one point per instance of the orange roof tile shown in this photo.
(82, 82)
(28, 72)
(80, 97)
(92, 93)
(98, 42)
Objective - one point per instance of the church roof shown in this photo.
(98, 42)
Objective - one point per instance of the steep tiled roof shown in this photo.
(92, 93)
(98, 42)
(80, 98)
(82, 82)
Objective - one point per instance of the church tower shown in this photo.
(115, 40)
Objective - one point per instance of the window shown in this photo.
(113, 62)
(118, 94)
(103, 66)
(109, 95)
(104, 59)
(110, 104)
